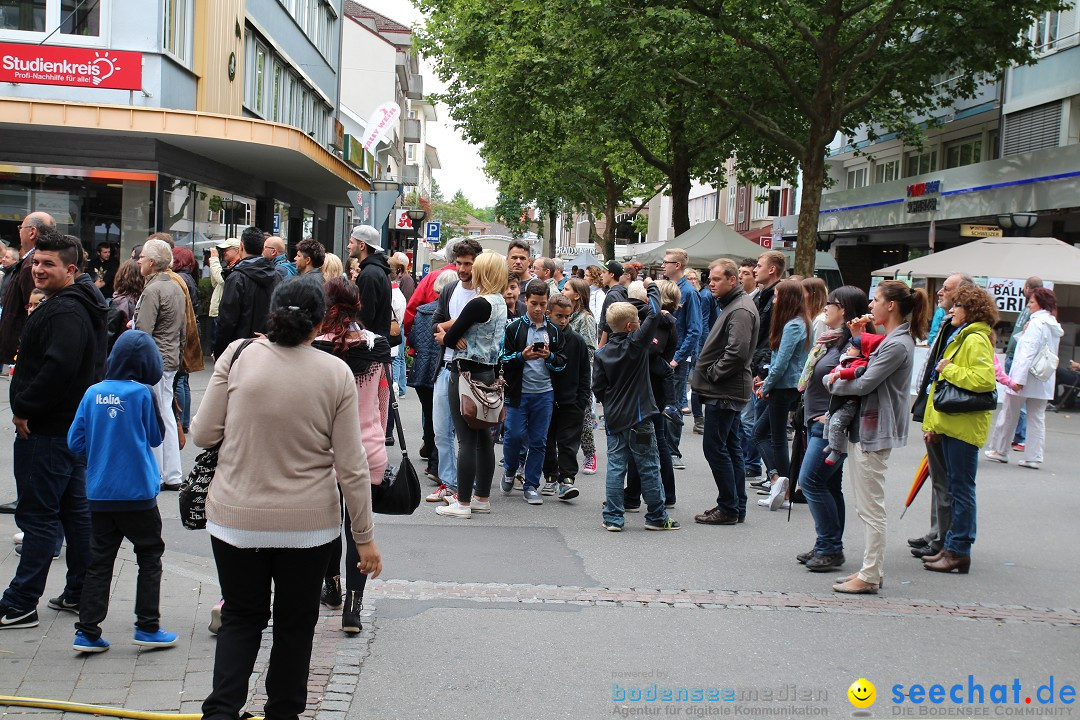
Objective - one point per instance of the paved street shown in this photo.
(538, 612)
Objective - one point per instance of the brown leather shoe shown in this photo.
(714, 516)
(933, 558)
(855, 586)
(948, 562)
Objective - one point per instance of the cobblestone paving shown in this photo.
(880, 605)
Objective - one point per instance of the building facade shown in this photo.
(199, 117)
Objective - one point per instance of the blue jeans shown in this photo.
(821, 484)
(182, 393)
(51, 483)
(770, 430)
(397, 365)
(444, 429)
(961, 463)
(527, 425)
(1020, 436)
(678, 402)
(632, 496)
(722, 443)
(639, 443)
(750, 454)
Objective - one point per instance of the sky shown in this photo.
(462, 167)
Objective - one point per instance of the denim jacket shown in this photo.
(484, 340)
(786, 362)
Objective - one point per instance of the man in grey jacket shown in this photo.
(724, 382)
(161, 312)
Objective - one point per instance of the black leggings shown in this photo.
(354, 579)
(476, 448)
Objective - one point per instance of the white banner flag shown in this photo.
(380, 123)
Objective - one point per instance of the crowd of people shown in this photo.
(102, 351)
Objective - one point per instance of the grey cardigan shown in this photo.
(883, 415)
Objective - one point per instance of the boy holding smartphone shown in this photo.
(533, 349)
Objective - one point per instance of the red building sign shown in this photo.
(71, 66)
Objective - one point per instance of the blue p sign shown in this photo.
(433, 230)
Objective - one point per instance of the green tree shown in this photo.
(797, 72)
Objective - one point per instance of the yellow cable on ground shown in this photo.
(101, 710)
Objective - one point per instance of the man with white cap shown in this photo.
(373, 282)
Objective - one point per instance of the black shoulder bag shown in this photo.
(949, 398)
(399, 492)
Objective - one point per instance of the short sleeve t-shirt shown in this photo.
(458, 300)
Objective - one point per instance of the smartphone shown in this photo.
(538, 347)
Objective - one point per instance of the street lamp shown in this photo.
(416, 216)
(1020, 222)
(230, 206)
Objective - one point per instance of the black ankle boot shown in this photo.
(350, 616)
(331, 593)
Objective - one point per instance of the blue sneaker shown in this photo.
(86, 645)
(158, 639)
(532, 496)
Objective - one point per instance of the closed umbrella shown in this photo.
(921, 474)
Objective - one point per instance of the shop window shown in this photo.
(963, 152)
(857, 178)
(177, 33)
(887, 171)
(65, 17)
(921, 163)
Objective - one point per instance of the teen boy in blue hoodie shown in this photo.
(117, 425)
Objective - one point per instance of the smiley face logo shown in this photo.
(862, 693)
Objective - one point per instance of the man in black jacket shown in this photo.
(616, 292)
(768, 273)
(21, 283)
(61, 352)
(245, 300)
(365, 245)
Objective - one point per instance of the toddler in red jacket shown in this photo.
(844, 409)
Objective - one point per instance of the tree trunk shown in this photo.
(680, 196)
(611, 205)
(550, 242)
(813, 181)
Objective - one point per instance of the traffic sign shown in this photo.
(433, 230)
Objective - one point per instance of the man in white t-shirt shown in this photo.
(452, 300)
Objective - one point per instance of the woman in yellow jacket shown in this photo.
(968, 364)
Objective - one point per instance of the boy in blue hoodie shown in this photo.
(117, 425)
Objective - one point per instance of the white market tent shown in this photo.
(1004, 257)
(704, 242)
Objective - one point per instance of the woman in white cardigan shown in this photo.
(1041, 331)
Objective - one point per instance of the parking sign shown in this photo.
(433, 231)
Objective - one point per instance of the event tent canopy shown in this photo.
(705, 242)
(1004, 257)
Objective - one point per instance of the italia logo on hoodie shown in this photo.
(113, 402)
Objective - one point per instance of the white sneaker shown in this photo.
(481, 507)
(1030, 464)
(996, 456)
(17, 538)
(440, 495)
(456, 509)
(776, 492)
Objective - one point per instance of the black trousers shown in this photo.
(107, 531)
(563, 442)
(476, 448)
(425, 394)
(246, 576)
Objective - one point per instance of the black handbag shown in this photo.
(949, 398)
(197, 486)
(399, 493)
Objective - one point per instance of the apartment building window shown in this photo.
(68, 17)
(1044, 33)
(857, 178)
(963, 152)
(177, 32)
(259, 79)
(921, 163)
(887, 171)
(410, 152)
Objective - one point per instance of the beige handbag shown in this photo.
(482, 405)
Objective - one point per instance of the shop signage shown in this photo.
(403, 222)
(70, 66)
(379, 124)
(980, 231)
(1009, 292)
(919, 200)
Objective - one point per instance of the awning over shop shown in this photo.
(1006, 257)
(755, 235)
(271, 152)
